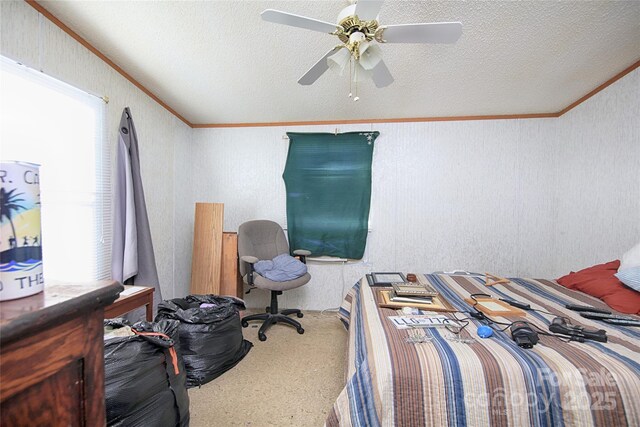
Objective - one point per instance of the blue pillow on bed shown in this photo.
(630, 277)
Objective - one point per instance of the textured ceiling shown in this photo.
(218, 62)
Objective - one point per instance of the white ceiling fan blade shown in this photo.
(381, 75)
(286, 18)
(435, 32)
(318, 69)
(367, 10)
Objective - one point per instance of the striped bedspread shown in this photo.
(431, 377)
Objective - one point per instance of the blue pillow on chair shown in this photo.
(630, 277)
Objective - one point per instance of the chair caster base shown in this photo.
(269, 319)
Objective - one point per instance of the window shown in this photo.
(328, 184)
(59, 127)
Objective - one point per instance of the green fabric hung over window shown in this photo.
(328, 184)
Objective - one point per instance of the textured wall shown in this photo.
(513, 197)
(33, 40)
(445, 195)
(598, 177)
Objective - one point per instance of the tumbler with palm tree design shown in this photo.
(20, 236)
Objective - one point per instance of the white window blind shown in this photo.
(48, 122)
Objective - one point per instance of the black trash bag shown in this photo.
(145, 376)
(210, 337)
(116, 322)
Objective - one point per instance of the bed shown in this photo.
(394, 379)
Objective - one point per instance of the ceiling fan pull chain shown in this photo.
(350, 74)
(355, 73)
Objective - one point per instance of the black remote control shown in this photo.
(576, 307)
(602, 316)
(622, 322)
(515, 303)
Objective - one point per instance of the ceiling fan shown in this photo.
(357, 27)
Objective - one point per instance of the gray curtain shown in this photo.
(133, 261)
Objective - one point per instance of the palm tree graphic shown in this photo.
(8, 203)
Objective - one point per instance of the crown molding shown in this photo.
(41, 9)
(609, 82)
(367, 121)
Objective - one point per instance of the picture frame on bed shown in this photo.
(494, 307)
(386, 278)
(437, 303)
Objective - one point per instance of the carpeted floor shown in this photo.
(287, 380)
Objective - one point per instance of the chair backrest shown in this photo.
(262, 239)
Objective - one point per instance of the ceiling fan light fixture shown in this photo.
(339, 61)
(357, 37)
(370, 56)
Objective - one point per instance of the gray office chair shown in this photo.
(264, 240)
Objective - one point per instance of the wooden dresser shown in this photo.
(51, 356)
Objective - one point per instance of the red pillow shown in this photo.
(599, 281)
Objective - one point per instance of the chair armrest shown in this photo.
(249, 260)
(302, 254)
